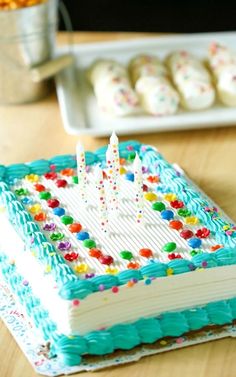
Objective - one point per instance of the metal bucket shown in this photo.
(27, 40)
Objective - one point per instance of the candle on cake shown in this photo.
(81, 172)
(114, 144)
(138, 184)
(113, 192)
(102, 206)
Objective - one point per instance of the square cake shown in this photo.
(108, 250)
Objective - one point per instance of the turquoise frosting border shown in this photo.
(71, 286)
(120, 336)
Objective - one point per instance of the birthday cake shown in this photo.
(108, 250)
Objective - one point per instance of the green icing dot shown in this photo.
(89, 243)
(158, 206)
(169, 247)
(56, 236)
(131, 156)
(75, 179)
(126, 254)
(21, 192)
(184, 212)
(45, 195)
(195, 252)
(67, 220)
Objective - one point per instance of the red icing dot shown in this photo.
(75, 227)
(95, 253)
(61, 183)
(172, 256)
(76, 302)
(115, 289)
(41, 216)
(145, 188)
(68, 172)
(153, 178)
(177, 204)
(175, 224)
(53, 203)
(133, 265)
(104, 174)
(186, 234)
(202, 233)
(71, 256)
(146, 253)
(51, 175)
(106, 259)
(38, 187)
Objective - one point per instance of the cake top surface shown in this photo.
(87, 246)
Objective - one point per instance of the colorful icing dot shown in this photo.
(186, 234)
(150, 196)
(95, 253)
(129, 176)
(51, 175)
(21, 192)
(89, 275)
(130, 284)
(32, 178)
(169, 271)
(147, 281)
(75, 180)
(112, 271)
(41, 216)
(131, 156)
(53, 203)
(173, 256)
(47, 269)
(177, 204)
(133, 266)
(106, 259)
(67, 220)
(115, 289)
(216, 247)
(90, 244)
(167, 214)
(71, 257)
(163, 342)
(184, 212)
(191, 220)
(146, 253)
(145, 188)
(58, 211)
(38, 187)
(76, 302)
(101, 287)
(202, 233)
(82, 236)
(36, 208)
(179, 340)
(195, 243)
(126, 254)
(27, 200)
(170, 197)
(75, 227)
(195, 252)
(49, 227)
(56, 236)
(68, 172)
(169, 247)
(81, 268)
(61, 183)
(63, 246)
(123, 170)
(25, 283)
(204, 264)
(45, 195)
(122, 161)
(175, 224)
(153, 179)
(158, 206)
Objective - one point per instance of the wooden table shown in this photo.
(208, 156)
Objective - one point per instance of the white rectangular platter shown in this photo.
(78, 105)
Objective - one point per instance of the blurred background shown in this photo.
(179, 16)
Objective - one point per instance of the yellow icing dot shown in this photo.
(170, 197)
(191, 220)
(32, 178)
(150, 196)
(123, 170)
(80, 268)
(52, 254)
(36, 208)
(33, 252)
(226, 227)
(70, 337)
(111, 270)
(169, 271)
(105, 299)
(163, 342)
(48, 269)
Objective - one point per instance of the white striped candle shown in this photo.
(138, 183)
(81, 172)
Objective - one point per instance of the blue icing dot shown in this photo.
(129, 176)
(58, 211)
(27, 200)
(195, 243)
(167, 214)
(82, 236)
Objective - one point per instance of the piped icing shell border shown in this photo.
(71, 286)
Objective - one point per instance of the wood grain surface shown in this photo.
(34, 131)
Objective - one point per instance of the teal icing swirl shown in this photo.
(29, 228)
(17, 171)
(180, 266)
(108, 281)
(232, 303)
(90, 158)
(154, 270)
(39, 167)
(124, 337)
(128, 275)
(2, 171)
(149, 330)
(225, 240)
(9, 197)
(99, 342)
(22, 217)
(3, 187)
(196, 318)
(205, 260)
(173, 324)
(63, 161)
(76, 289)
(226, 256)
(219, 313)
(15, 206)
